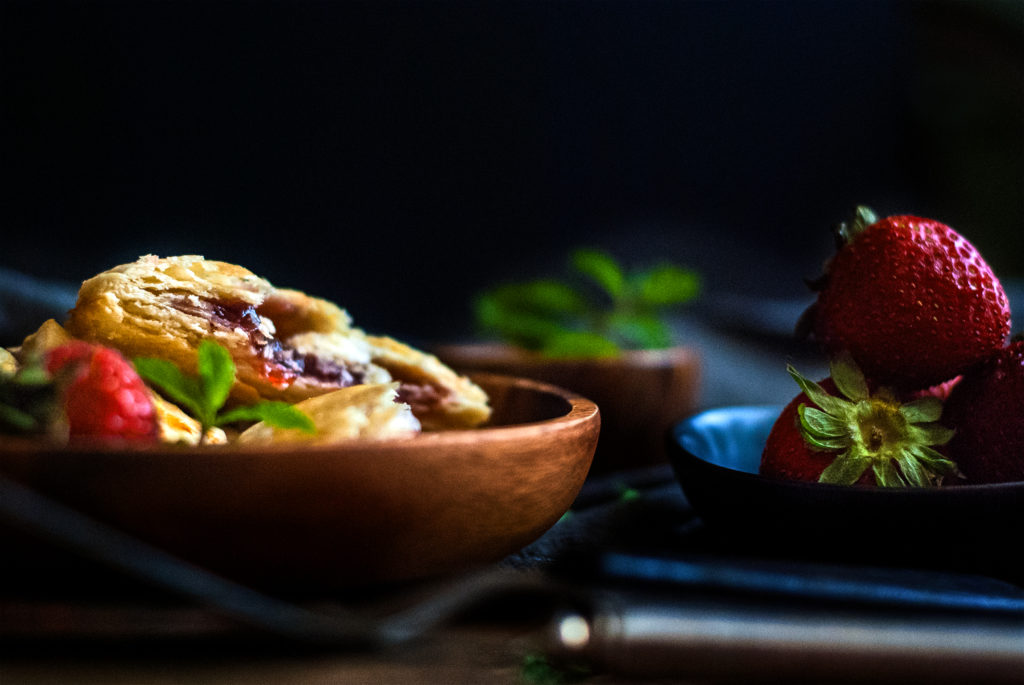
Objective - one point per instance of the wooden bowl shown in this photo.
(641, 393)
(355, 512)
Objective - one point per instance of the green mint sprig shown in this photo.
(204, 397)
(28, 400)
(603, 309)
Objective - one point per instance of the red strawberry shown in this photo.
(910, 299)
(986, 408)
(101, 393)
(856, 436)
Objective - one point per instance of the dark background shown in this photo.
(399, 156)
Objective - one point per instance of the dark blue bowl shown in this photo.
(716, 454)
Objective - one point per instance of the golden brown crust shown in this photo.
(154, 307)
(48, 336)
(175, 427)
(368, 411)
(449, 400)
(285, 344)
(8, 364)
(295, 312)
(164, 307)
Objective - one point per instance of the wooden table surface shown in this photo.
(106, 628)
(77, 622)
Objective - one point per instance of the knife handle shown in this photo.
(700, 638)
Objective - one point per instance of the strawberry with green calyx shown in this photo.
(911, 300)
(986, 408)
(856, 437)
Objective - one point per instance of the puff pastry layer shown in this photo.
(368, 411)
(285, 344)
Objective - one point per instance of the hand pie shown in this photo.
(47, 337)
(439, 397)
(285, 344)
(178, 428)
(368, 411)
(8, 364)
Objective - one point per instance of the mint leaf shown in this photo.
(217, 375)
(547, 296)
(169, 379)
(602, 269)
(277, 414)
(604, 309)
(204, 397)
(14, 418)
(580, 344)
(644, 331)
(528, 313)
(32, 374)
(526, 329)
(667, 285)
(28, 400)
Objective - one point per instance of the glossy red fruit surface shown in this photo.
(788, 456)
(986, 409)
(912, 301)
(101, 394)
(844, 432)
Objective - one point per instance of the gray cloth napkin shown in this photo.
(26, 302)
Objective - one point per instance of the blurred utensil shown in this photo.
(701, 638)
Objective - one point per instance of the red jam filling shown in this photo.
(278, 363)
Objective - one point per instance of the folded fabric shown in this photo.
(25, 301)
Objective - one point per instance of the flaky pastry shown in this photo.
(45, 338)
(175, 427)
(440, 398)
(8, 364)
(368, 411)
(286, 345)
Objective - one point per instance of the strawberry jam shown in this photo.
(278, 376)
(280, 364)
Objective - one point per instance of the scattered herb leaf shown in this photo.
(216, 376)
(204, 397)
(628, 494)
(278, 414)
(538, 669)
(16, 419)
(179, 388)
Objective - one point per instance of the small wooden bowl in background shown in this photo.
(351, 513)
(641, 394)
